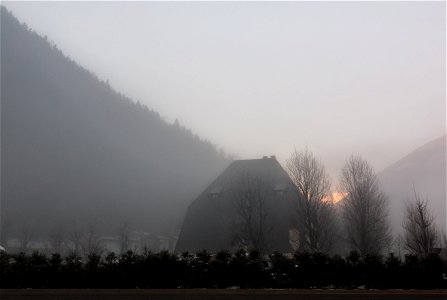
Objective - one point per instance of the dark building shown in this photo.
(255, 193)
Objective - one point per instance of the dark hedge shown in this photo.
(221, 270)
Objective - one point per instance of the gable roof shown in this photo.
(209, 218)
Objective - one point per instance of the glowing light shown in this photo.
(338, 196)
(335, 197)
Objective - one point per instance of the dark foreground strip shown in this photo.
(219, 294)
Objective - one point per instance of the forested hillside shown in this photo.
(76, 151)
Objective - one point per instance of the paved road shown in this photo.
(218, 294)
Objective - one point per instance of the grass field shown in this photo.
(85, 294)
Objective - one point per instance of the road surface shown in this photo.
(211, 294)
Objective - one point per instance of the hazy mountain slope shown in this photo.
(425, 169)
(74, 149)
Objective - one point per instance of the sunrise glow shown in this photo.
(335, 197)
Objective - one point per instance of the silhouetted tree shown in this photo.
(76, 235)
(316, 216)
(444, 245)
(25, 236)
(253, 223)
(365, 208)
(124, 236)
(92, 242)
(420, 234)
(57, 238)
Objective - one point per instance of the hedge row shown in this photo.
(222, 270)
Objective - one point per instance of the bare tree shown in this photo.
(92, 241)
(420, 234)
(57, 239)
(444, 245)
(365, 208)
(124, 237)
(316, 216)
(76, 236)
(26, 235)
(253, 226)
(397, 245)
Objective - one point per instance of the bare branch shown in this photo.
(316, 218)
(92, 242)
(253, 225)
(76, 236)
(57, 238)
(420, 234)
(25, 237)
(365, 208)
(124, 236)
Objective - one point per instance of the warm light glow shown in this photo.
(338, 196)
(335, 197)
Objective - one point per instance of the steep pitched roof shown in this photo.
(209, 219)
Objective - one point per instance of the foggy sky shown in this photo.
(261, 78)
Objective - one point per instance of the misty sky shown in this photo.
(261, 78)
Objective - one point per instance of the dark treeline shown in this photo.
(222, 270)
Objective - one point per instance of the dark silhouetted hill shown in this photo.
(73, 149)
(425, 170)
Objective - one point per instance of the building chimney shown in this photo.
(265, 157)
(273, 157)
